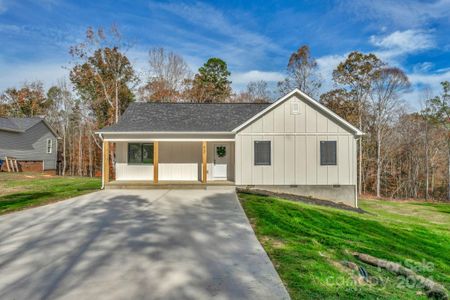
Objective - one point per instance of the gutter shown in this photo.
(165, 132)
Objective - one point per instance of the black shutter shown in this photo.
(262, 153)
(328, 155)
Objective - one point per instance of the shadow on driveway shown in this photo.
(154, 244)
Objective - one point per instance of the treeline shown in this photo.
(402, 155)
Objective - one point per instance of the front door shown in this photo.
(220, 161)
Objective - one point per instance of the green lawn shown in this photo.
(22, 190)
(307, 243)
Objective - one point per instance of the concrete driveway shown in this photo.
(148, 244)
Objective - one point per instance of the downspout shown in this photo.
(357, 181)
(103, 162)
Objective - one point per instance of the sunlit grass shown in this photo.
(307, 243)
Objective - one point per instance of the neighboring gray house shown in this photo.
(31, 141)
(294, 145)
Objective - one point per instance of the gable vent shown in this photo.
(295, 107)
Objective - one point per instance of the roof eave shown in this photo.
(12, 130)
(165, 132)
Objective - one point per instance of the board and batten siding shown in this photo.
(30, 145)
(295, 148)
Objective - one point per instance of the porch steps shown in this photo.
(145, 185)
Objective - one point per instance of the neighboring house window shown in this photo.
(262, 153)
(140, 153)
(49, 146)
(328, 155)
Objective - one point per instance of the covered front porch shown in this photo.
(159, 163)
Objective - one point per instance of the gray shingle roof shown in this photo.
(18, 124)
(185, 117)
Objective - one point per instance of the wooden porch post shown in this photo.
(204, 162)
(105, 172)
(155, 161)
(7, 164)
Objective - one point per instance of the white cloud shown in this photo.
(405, 13)
(326, 65)
(400, 43)
(419, 78)
(3, 6)
(213, 33)
(255, 75)
(430, 80)
(13, 75)
(423, 66)
(421, 82)
(210, 18)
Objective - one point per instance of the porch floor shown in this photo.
(165, 184)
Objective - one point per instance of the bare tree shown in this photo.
(256, 91)
(259, 91)
(384, 100)
(301, 73)
(166, 76)
(103, 76)
(62, 107)
(439, 110)
(356, 73)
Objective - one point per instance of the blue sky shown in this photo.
(255, 38)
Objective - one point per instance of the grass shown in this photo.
(23, 190)
(307, 244)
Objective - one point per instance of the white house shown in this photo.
(294, 145)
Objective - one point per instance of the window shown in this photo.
(49, 146)
(328, 153)
(140, 153)
(262, 153)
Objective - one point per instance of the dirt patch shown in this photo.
(298, 198)
(275, 243)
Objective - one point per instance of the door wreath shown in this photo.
(221, 151)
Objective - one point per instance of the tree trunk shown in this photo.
(80, 153)
(360, 153)
(90, 155)
(64, 153)
(71, 155)
(378, 163)
(448, 168)
(427, 166)
(117, 101)
(434, 290)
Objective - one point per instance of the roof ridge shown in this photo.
(202, 103)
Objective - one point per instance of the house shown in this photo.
(294, 145)
(29, 140)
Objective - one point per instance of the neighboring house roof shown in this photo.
(22, 124)
(185, 117)
(8, 124)
(326, 111)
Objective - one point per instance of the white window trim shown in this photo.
(51, 146)
(271, 154)
(337, 153)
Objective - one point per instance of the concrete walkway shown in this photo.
(142, 244)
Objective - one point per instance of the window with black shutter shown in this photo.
(328, 153)
(262, 153)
